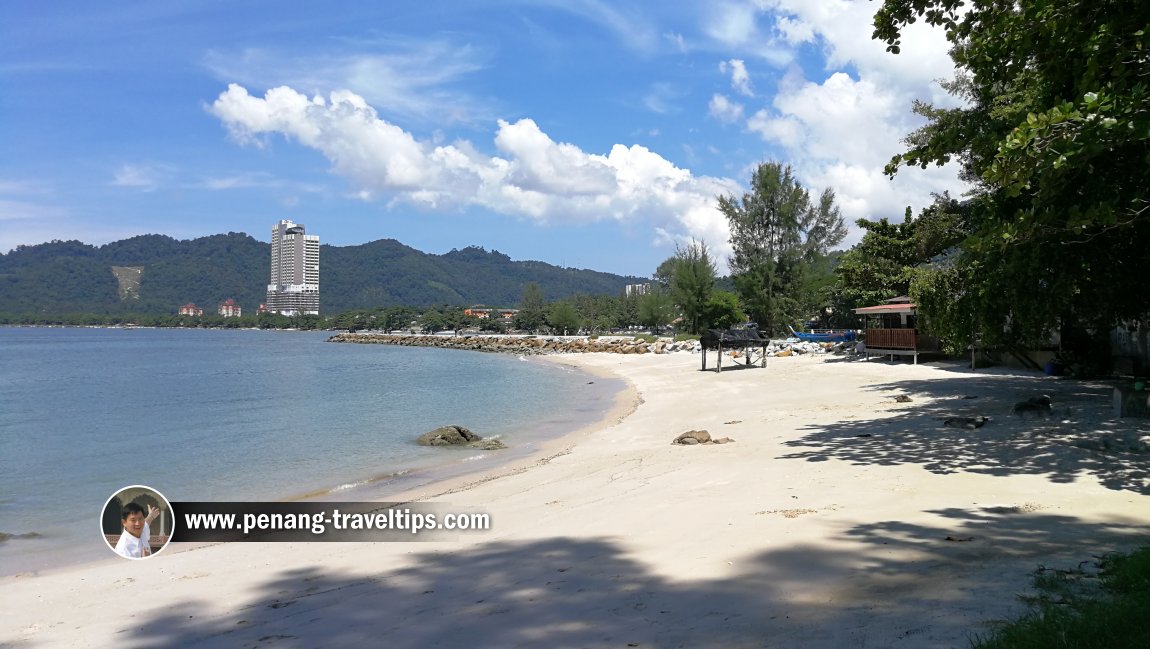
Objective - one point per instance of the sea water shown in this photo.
(224, 415)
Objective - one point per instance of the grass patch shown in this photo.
(1079, 609)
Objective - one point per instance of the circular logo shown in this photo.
(136, 522)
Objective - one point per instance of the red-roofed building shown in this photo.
(484, 313)
(191, 309)
(229, 309)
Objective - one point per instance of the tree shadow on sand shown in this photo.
(1078, 439)
(898, 582)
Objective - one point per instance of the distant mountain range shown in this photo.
(157, 274)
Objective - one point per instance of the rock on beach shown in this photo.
(455, 435)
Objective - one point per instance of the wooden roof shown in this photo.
(887, 308)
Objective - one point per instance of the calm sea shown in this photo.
(245, 415)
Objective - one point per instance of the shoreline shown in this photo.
(624, 403)
(349, 471)
(440, 476)
(451, 477)
(840, 517)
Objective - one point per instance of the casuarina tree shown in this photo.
(776, 232)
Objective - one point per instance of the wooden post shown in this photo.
(719, 365)
(704, 357)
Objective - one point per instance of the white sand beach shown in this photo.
(838, 518)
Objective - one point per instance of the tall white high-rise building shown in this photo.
(294, 285)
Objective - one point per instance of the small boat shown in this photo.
(824, 335)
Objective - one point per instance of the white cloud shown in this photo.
(841, 133)
(794, 31)
(632, 29)
(364, 148)
(661, 98)
(732, 23)
(843, 29)
(734, 27)
(402, 76)
(843, 119)
(677, 40)
(143, 177)
(787, 131)
(532, 177)
(540, 164)
(740, 80)
(724, 109)
(840, 129)
(242, 181)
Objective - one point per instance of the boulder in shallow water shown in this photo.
(452, 435)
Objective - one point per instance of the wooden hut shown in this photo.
(890, 329)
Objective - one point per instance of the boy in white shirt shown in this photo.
(133, 543)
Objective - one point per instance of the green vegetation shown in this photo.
(882, 265)
(895, 259)
(1054, 130)
(1073, 611)
(564, 319)
(656, 309)
(777, 235)
(602, 313)
(532, 309)
(572, 315)
(260, 321)
(72, 277)
(692, 283)
(722, 311)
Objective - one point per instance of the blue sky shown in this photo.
(581, 133)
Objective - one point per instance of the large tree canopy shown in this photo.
(1055, 134)
(776, 233)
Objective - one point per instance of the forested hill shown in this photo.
(71, 277)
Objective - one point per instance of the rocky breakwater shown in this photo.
(525, 345)
(784, 348)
